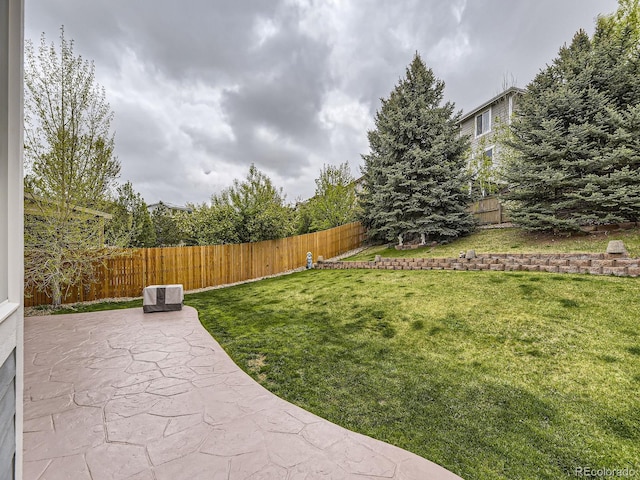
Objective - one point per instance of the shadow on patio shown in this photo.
(123, 395)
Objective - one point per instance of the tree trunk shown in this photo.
(56, 293)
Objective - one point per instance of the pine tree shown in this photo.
(575, 145)
(414, 175)
(616, 44)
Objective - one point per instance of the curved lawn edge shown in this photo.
(157, 396)
(499, 379)
(353, 452)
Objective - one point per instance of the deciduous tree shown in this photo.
(213, 224)
(131, 225)
(334, 202)
(258, 207)
(70, 167)
(167, 226)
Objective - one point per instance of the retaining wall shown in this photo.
(594, 264)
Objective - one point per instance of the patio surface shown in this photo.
(124, 395)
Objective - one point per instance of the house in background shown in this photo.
(11, 238)
(169, 206)
(481, 125)
(37, 208)
(358, 185)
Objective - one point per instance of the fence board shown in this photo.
(488, 211)
(206, 266)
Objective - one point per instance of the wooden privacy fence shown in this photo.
(207, 266)
(488, 211)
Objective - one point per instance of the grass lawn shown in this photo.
(492, 375)
(86, 307)
(514, 240)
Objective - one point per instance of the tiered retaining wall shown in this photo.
(594, 264)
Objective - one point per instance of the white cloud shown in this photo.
(348, 120)
(203, 90)
(263, 30)
(266, 134)
(458, 8)
(340, 110)
(450, 53)
(154, 119)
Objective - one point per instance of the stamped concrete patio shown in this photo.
(124, 395)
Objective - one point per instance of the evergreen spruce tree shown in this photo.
(575, 158)
(414, 176)
(615, 43)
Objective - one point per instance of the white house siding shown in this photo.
(468, 128)
(7, 416)
(11, 239)
(499, 106)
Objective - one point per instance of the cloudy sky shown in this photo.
(203, 88)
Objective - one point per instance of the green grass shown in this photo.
(514, 240)
(88, 307)
(492, 375)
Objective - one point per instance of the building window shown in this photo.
(488, 156)
(483, 123)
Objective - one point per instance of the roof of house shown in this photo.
(29, 197)
(170, 206)
(508, 91)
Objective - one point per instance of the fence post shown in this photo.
(218, 264)
(144, 267)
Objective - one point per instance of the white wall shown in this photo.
(11, 200)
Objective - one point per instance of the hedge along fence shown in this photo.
(207, 266)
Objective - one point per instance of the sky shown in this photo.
(201, 89)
